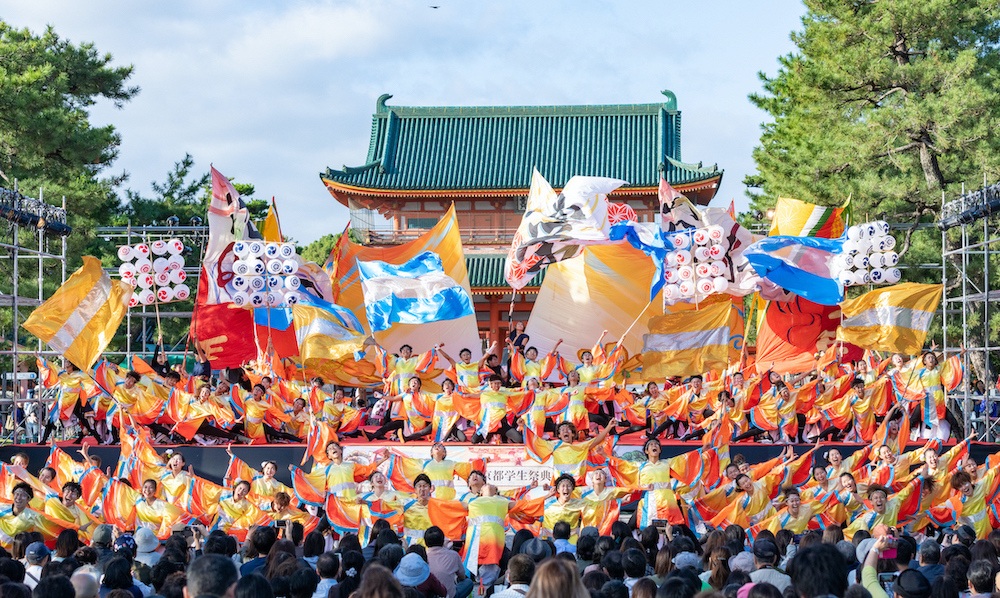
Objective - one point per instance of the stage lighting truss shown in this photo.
(33, 213)
(970, 207)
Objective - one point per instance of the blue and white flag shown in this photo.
(802, 265)
(647, 237)
(416, 292)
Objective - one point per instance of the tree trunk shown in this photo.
(929, 164)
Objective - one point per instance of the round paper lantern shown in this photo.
(140, 250)
(680, 241)
(687, 288)
(844, 262)
(133, 301)
(717, 252)
(158, 247)
(274, 267)
(274, 282)
(175, 262)
(672, 291)
(240, 299)
(877, 275)
(241, 249)
(241, 283)
(289, 267)
(862, 277)
(182, 292)
(145, 280)
(890, 258)
(702, 254)
(147, 297)
(670, 275)
(700, 237)
(162, 278)
(257, 267)
(683, 257)
(685, 273)
(854, 233)
(879, 243)
(165, 294)
(892, 275)
(125, 253)
(241, 268)
(864, 246)
(130, 280)
(271, 250)
(127, 270)
(720, 283)
(287, 251)
(716, 233)
(159, 264)
(292, 283)
(274, 299)
(718, 268)
(876, 260)
(703, 270)
(671, 258)
(258, 299)
(869, 229)
(890, 242)
(845, 278)
(255, 248)
(143, 266)
(706, 286)
(292, 298)
(257, 283)
(850, 247)
(177, 276)
(175, 247)
(860, 261)
(883, 227)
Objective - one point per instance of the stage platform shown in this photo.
(508, 465)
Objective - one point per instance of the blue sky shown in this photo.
(273, 92)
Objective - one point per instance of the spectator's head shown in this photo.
(53, 586)
(313, 544)
(614, 589)
(944, 587)
(215, 545)
(613, 566)
(390, 556)
(520, 569)
(350, 571)
(982, 576)
(302, 583)
(958, 570)
(904, 552)
(736, 533)
(634, 563)
(327, 565)
(67, 542)
(819, 570)
(965, 534)
(911, 584)
(102, 536)
(161, 571)
(37, 554)
(86, 555)
(537, 549)
(644, 588)
(379, 582)
(593, 581)
(211, 575)
(253, 586)
(433, 537)
(765, 553)
(857, 591)
(263, 539)
(561, 530)
(847, 550)
(983, 550)
(741, 561)
(85, 585)
(860, 536)
(929, 553)
(385, 538)
(832, 534)
(675, 587)
(556, 578)
(584, 547)
(764, 590)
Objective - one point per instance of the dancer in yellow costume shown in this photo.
(439, 469)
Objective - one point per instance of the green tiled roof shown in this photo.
(496, 147)
(486, 271)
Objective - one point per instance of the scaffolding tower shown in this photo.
(31, 230)
(970, 242)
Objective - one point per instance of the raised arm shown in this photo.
(601, 436)
(487, 354)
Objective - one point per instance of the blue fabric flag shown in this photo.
(416, 292)
(647, 237)
(800, 265)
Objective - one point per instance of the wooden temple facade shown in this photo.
(422, 159)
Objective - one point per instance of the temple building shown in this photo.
(422, 159)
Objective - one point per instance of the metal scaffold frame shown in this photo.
(968, 295)
(21, 218)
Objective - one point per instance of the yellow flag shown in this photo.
(800, 219)
(271, 230)
(687, 342)
(893, 319)
(82, 316)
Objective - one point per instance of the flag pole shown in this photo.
(634, 322)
